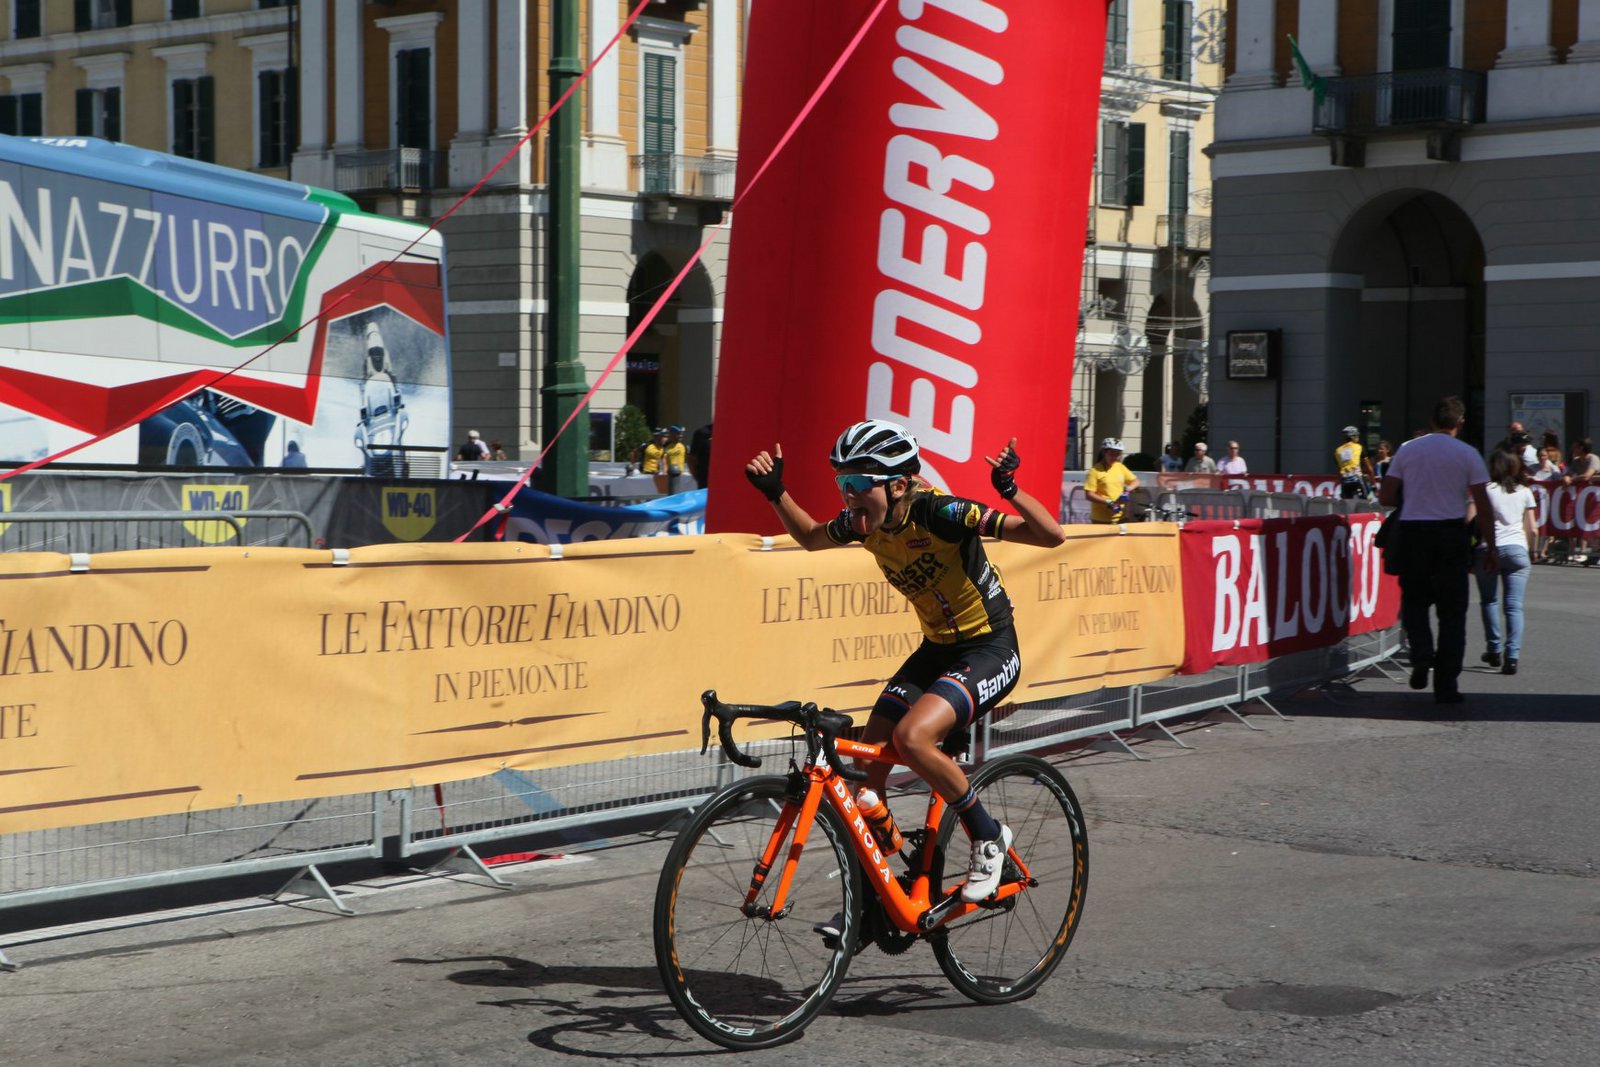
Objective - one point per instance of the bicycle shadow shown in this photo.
(625, 1015)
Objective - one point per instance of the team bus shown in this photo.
(167, 296)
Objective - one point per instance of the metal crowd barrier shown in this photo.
(54, 865)
(1182, 505)
(116, 531)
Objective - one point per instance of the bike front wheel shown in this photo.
(1003, 953)
(743, 980)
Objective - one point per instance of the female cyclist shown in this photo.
(929, 547)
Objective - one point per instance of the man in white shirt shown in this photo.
(1431, 479)
(1200, 463)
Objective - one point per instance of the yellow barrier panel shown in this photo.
(174, 680)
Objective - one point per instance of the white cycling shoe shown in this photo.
(983, 873)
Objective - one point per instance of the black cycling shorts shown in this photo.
(973, 676)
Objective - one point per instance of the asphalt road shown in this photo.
(1369, 883)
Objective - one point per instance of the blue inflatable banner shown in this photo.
(554, 520)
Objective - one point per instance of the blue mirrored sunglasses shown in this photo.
(861, 483)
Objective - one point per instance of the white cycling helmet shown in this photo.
(1113, 443)
(888, 446)
(1351, 431)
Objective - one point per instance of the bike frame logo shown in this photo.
(230, 498)
(409, 514)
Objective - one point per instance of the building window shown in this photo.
(29, 20)
(100, 113)
(272, 3)
(275, 101)
(1117, 35)
(1122, 164)
(101, 14)
(1421, 34)
(22, 114)
(660, 134)
(194, 118)
(413, 125)
(1177, 31)
(185, 9)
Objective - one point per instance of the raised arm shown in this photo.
(765, 472)
(1033, 524)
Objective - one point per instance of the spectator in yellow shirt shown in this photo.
(651, 452)
(1109, 483)
(674, 460)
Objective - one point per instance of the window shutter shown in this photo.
(185, 9)
(85, 105)
(266, 99)
(412, 126)
(82, 15)
(30, 114)
(183, 119)
(111, 117)
(1117, 35)
(1178, 173)
(1113, 163)
(1135, 186)
(124, 12)
(28, 23)
(8, 115)
(660, 105)
(205, 119)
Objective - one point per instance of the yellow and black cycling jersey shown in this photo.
(936, 558)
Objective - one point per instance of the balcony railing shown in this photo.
(1446, 98)
(696, 177)
(388, 170)
(1183, 231)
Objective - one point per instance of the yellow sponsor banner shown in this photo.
(1105, 609)
(191, 679)
(5, 504)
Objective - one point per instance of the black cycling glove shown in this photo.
(1003, 475)
(770, 483)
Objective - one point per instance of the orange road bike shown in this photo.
(766, 861)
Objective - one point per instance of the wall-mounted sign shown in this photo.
(1253, 354)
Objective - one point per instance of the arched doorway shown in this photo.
(1413, 330)
(670, 367)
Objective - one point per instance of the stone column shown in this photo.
(1527, 35)
(348, 97)
(605, 153)
(313, 160)
(1252, 53)
(1587, 50)
(468, 151)
(511, 90)
(725, 78)
(1319, 36)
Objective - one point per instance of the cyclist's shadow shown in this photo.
(627, 1012)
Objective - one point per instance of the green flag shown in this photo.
(1315, 82)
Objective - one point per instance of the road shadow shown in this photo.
(623, 1013)
(1338, 700)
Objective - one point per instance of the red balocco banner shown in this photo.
(1259, 588)
(914, 253)
(1567, 510)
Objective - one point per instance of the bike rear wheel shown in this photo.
(1003, 953)
(745, 981)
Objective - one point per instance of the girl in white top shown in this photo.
(1514, 532)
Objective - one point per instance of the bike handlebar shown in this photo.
(822, 727)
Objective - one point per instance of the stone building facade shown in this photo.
(1422, 220)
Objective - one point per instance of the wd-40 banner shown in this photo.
(914, 253)
(1259, 588)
